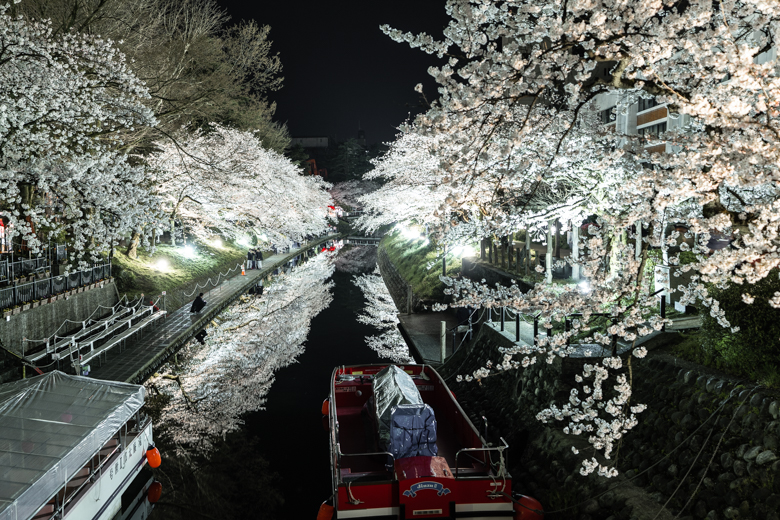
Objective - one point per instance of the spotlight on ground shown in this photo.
(161, 265)
(188, 252)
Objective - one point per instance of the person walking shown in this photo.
(259, 258)
(249, 259)
(198, 304)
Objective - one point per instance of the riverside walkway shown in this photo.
(140, 357)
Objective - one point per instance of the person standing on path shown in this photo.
(249, 259)
(259, 258)
(198, 304)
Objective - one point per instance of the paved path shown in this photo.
(422, 332)
(143, 354)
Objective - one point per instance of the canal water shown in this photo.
(290, 429)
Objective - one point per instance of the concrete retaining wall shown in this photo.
(44, 320)
(404, 298)
(702, 438)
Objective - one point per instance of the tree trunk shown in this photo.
(132, 249)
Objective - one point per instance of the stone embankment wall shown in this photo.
(703, 441)
(42, 321)
(403, 296)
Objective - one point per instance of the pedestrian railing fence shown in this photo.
(16, 295)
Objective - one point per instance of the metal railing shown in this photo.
(23, 267)
(21, 294)
(515, 316)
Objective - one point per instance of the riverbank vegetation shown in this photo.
(419, 262)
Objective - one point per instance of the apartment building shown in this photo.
(647, 116)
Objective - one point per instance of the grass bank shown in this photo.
(173, 267)
(419, 262)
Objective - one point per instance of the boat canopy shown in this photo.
(50, 427)
(392, 386)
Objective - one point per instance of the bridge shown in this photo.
(362, 241)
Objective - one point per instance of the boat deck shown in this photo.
(357, 434)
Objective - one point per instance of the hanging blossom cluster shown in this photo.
(66, 103)
(223, 179)
(380, 312)
(214, 384)
(513, 143)
(582, 412)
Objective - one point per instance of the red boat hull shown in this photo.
(467, 479)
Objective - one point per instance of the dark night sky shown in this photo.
(340, 69)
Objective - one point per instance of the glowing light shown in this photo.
(461, 251)
(244, 241)
(216, 242)
(161, 264)
(411, 232)
(188, 252)
(584, 286)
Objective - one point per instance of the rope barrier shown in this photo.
(66, 321)
(214, 284)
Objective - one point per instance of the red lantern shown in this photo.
(153, 457)
(154, 493)
(325, 512)
(325, 407)
(527, 508)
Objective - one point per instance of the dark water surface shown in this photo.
(291, 431)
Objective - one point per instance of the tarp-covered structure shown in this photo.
(405, 424)
(50, 427)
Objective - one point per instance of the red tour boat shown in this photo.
(401, 447)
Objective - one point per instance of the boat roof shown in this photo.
(50, 427)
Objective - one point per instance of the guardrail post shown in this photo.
(502, 319)
(566, 329)
(536, 330)
(490, 315)
(663, 311)
(614, 339)
(443, 338)
(15, 293)
(517, 327)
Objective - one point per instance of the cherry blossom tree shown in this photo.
(521, 79)
(66, 101)
(224, 179)
(529, 64)
(214, 384)
(380, 312)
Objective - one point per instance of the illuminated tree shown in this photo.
(521, 82)
(224, 179)
(66, 101)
